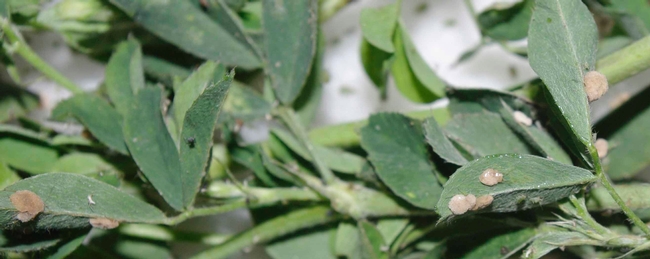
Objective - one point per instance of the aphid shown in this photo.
(490, 177)
(595, 85)
(602, 146)
(27, 203)
(537, 200)
(104, 223)
(90, 200)
(504, 250)
(522, 118)
(204, 3)
(459, 204)
(482, 202)
(190, 141)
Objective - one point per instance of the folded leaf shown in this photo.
(124, 74)
(510, 23)
(441, 144)
(378, 25)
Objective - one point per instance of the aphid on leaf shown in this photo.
(191, 141)
(522, 118)
(27, 203)
(490, 177)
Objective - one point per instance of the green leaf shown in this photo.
(313, 244)
(409, 70)
(102, 120)
(373, 245)
(7, 176)
(231, 22)
(336, 159)
(307, 103)
(139, 249)
(633, 11)
(376, 63)
(512, 241)
(163, 71)
(15, 102)
(245, 104)
(186, 93)
(291, 28)
(477, 100)
(537, 137)
(250, 157)
(347, 241)
(507, 23)
(562, 43)
(152, 147)
(19, 153)
(89, 164)
(528, 181)
(483, 134)
(551, 239)
(66, 249)
(441, 144)
(124, 74)
(396, 148)
(629, 155)
(378, 25)
(198, 125)
(66, 203)
(635, 196)
(187, 27)
(390, 228)
(25, 246)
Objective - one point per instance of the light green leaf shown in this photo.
(124, 74)
(440, 144)
(483, 134)
(313, 245)
(635, 196)
(378, 25)
(186, 93)
(629, 154)
(551, 239)
(347, 241)
(139, 249)
(562, 43)
(377, 64)
(422, 71)
(406, 79)
(66, 203)
(512, 241)
(82, 163)
(536, 137)
(198, 125)
(390, 228)
(373, 245)
(291, 28)
(19, 153)
(7, 176)
(187, 27)
(152, 147)
(507, 23)
(163, 70)
(396, 148)
(528, 181)
(102, 120)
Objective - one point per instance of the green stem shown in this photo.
(160, 233)
(271, 229)
(206, 212)
(582, 212)
(290, 118)
(617, 198)
(262, 196)
(626, 62)
(31, 57)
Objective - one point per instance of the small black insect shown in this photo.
(191, 141)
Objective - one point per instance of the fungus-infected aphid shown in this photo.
(27, 203)
(191, 141)
(482, 202)
(104, 223)
(459, 204)
(595, 85)
(602, 146)
(522, 118)
(490, 177)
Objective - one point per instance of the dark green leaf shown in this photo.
(66, 203)
(198, 125)
(102, 120)
(390, 228)
(512, 241)
(422, 71)
(124, 74)
(396, 148)
(528, 181)
(21, 246)
(187, 27)
(163, 71)
(378, 25)
(440, 144)
(376, 63)
(507, 23)
(306, 105)
(629, 154)
(152, 147)
(291, 28)
(483, 134)
(15, 102)
(221, 13)
(67, 248)
(562, 49)
(404, 72)
(373, 245)
(245, 104)
(313, 244)
(7, 176)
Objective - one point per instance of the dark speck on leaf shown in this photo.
(191, 141)
(549, 20)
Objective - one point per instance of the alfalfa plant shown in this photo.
(495, 174)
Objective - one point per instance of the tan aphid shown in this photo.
(595, 85)
(459, 204)
(602, 146)
(104, 223)
(522, 118)
(482, 202)
(27, 203)
(490, 177)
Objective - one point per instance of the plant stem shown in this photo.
(626, 62)
(21, 47)
(271, 229)
(581, 210)
(160, 233)
(290, 118)
(206, 212)
(345, 135)
(617, 198)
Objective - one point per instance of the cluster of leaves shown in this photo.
(161, 137)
